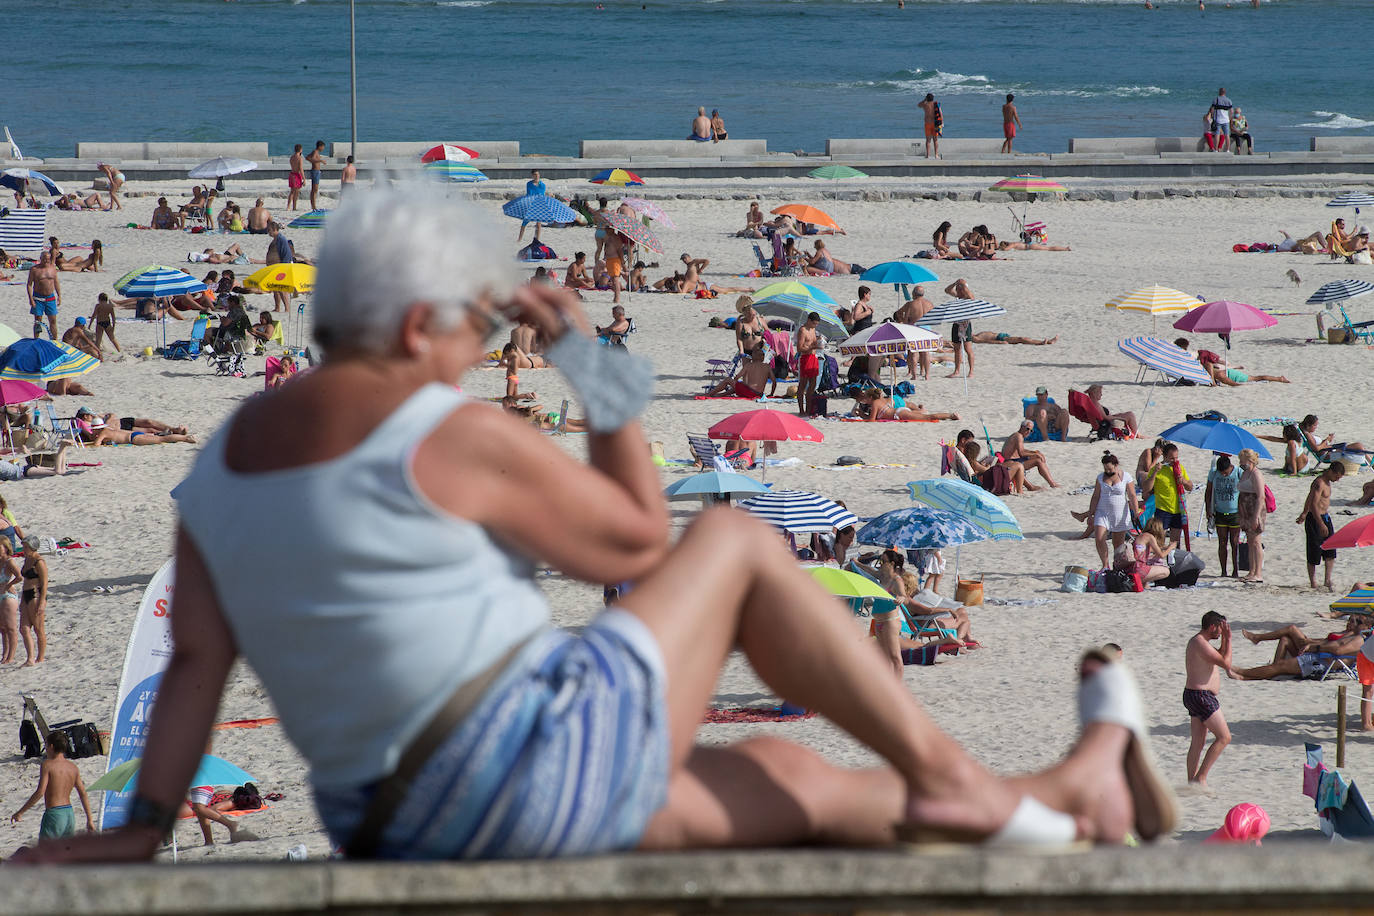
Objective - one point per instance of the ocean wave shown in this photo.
(1336, 121)
(949, 83)
(465, 2)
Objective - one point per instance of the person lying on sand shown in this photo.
(232, 255)
(1030, 246)
(1299, 655)
(542, 419)
(27, 467)
(91, 262)
(1001, 337)
(1231, 376)
(871, 405)
(108, 429)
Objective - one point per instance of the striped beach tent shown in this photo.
(799, 512)
(969, 501)
(1165, 358)
(156, 281)
(23, 230)
(961, 310)
(1339, 291)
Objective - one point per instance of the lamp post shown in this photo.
(353, 78)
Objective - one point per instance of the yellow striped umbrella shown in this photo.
(1155, 300)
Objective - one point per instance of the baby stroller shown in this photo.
(1032, 233)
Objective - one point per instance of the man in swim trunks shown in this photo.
(258, 218)
(1014, 449)
(1002, 337)
(79, 338)
(752, 379)
(1010, 122)
(808, 347)
(45, 295)
(934, 123)
(316, 158)
(1047, 416)
(57, 777)
(615, 263)
(296, 179)
(701, 127)
(1200, 694)
(348, 177)
(691, 278)
(614, 333)
(911, 313)
(1315, 519)
(1298, 655)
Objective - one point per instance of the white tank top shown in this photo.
(360, 604)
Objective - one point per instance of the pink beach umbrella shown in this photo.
(1224, 317)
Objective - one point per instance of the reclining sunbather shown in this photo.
(1224, 374)
(1001, 337)
(108, 429)
(1030, 246)
(871, 405)
(1298, 655)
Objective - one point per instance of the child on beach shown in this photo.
(1200, 694)
(57, 777)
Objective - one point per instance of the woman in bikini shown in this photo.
(1151, 562)
(941, 240)
(11, 577)
(91, 262)
(748, 327)
(34, 603)
(871, 403)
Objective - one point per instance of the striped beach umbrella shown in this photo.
(444, 170)
(448, 152)
(1030, 184)
(1155, 300)
(961, 310)
(633, 230)
(795, 292)
(1339, 291)
(41, 361)
(969, 501)
(312, 220)
(539, 208)
(616, 178)
(713, 483)
(831, 327)
(1356, 199)
(221, 166)
(1164, 357)
(798, 511)
(650, 209)
(888, 338)
(805, 213)
(156, 281)
(836, 172)
(17, 179)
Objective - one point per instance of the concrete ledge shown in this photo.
(1137, 146)
(1364, 145)
(198, 151)
(986, 147)
(675, 149)
(1281, 877)
(369, 151)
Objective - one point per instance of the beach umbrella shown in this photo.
(8, 335)
(212, 771)
(283, 278)
(796, 293)
(1359, 533)
(650, 209)
(971, 502)
(921, 528)
(798, 511)
(836, 172)
(42, 361)
(539, 208)
(1339, 291)
(447, 152)
(1164, 358)
(896, 272)
(17, 179)
(1155, 301)
(844, 584)
(890, 338)
(1356, 199)
(157, 281)
(444, 170)
(713, 483)
(765, 426)
(18, 391)
(616, 178)
(961, 310)
(1225, 317)
(1029, 184)
(831, 327)
(1215, 436)
(312, 220)
(633, 229)
(805, 213)
(221, 166)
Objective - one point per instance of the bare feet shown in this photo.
(952, 375)
(1250, 636)
(1054, 339)
(1079, 516)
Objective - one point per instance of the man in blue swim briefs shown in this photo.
(56, 779)
(45, 295)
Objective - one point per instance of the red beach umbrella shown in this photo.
(449, 153)
(1223, 317)
(1359, 533)
(18, 391)
(765, 426)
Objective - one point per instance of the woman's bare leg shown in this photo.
(1100, 536)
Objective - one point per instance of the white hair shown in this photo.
(385, 250)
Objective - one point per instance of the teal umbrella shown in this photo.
(213, 771)
(971, 502)
(836, 172)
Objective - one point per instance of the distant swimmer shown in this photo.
(1149, 5)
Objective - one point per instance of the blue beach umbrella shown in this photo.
(447, 170)
(16, 180)
(713, 483)
(312, 220)
(40, 361)
(539, 208)
(157, 281)
(899, 274)
(970, 502)
(798, 511)
(920, 527)
(1215, 436)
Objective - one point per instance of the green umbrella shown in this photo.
(835, 172)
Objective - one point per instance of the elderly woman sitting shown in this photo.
(411, 655)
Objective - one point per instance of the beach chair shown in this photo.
(1085, 410)
(561, 427)
(228, 358)
(721, 368)
(914, 626)
(63, 429)
(617, 340)
(1056, 434)
(952, 461)
(191, 348)
(1033, 232)
(705, 452)
(765, 263)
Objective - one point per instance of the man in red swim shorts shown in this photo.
(808, 362)
(1010, 122)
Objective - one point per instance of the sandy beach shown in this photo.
(1012, 702)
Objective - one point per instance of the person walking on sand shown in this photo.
(1315, 519)
(1200, 695)
(296, 179)
(1011, 121)
(316, 159)
(934, 123)
(45, 295)
(57, 777)
(114, 180)
(808, 348)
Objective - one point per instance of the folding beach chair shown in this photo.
(952, 461)
(1085, 410)
(1030, 232)
(914, 626)
(191, 348)
(63, 429)
(561, 427)
(765, 263)
(1056, 434)
(721, 368)
(705, 452)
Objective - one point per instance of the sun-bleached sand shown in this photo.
(1012, 702)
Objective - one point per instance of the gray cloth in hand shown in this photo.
(613, 384)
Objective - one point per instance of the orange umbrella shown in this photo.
(805, 213)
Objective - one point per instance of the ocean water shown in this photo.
(551, 72)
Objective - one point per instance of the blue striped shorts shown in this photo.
(565, 754)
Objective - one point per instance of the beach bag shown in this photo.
(1118, 581)
(1270, 503)
(818, 405)
(82, 736)
(830, 374)
(1097, 581)
(1075, 579)
(1243, 555)
(1207, 415)
(939, 118)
